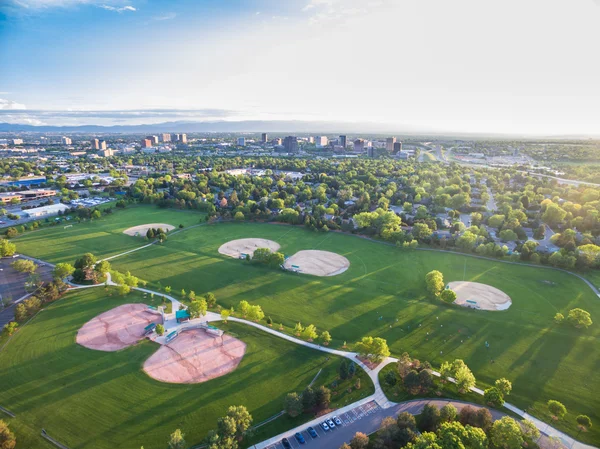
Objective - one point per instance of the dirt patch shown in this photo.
(236, 248)
(318, 263)
(141, 230)
(118, 328)
(480, 296)
(195, 356)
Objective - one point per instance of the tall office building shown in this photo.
(290, 143)
(102, 145)
(95, 144)
(343, 141)
(241, 141)
(370, 151)
(389, 144)
(175, 137)
(359, 145)
(397, 147)
(183, 138)
(66, 140)
(146, 143)
(311, 139)
(276, 141)
(166, 137)
(321, 141)
(264, 137)
(153, 139)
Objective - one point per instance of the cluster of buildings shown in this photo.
(150, 141)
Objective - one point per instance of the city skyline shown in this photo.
(525, 69)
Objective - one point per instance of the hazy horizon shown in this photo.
(509, 68)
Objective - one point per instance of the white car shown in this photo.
(325, 426)
(331, 423)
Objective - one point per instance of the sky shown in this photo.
(516, 67)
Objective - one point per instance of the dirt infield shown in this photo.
(195, 356)
(236, 248)
(484, 297)
(142, 229)
(318, 263)
(116, 329)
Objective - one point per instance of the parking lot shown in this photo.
(335, 437)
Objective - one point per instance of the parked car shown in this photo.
(299, 438)
(337, 421)
(286, 443)
(312, 432)
(325, 426)
(331, 423)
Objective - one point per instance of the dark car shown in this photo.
(299, 438)
(312, 432)
(286, 443)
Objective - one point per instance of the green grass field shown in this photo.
(543, 360)
(103, 237)
(92, 399)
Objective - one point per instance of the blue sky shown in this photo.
(466, 65)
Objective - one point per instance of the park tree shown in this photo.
(448, 413)
(197, 308)
(421, 231)
(255, 313)
(20, 312)
(506, 433)
(308, 398)
(559, 318)
(123, 290)
(373, 348)
(7, 438)
(435, 282)
(508, 235)
(298, 329)
(387, 435)
(529, 430)
(453, 435)
(465, 379)
(427, 440)
(11, 232)
(192, 295)
(579, 318)
(448, 295)
(24, 266)
(242, 418)
(102, 267)
(211, 299)
(557, 409)
(7, 248)
(239, 216)
(584, 422)
(168, 289)
(160, 329)
(176, 440)
(310, 332)
(225, 313)
(10, 328)
(244, 308)
(553, 214)
(322, 397)
(359, 441)
(429, 418)
(504, 385)
(62, 270)
(493, 397)
(293, 404)
(325, 338)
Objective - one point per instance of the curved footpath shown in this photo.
(379, 396)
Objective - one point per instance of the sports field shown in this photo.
(103, 237)
(93, 399)
(383, 293)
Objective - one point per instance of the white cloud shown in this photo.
(9, 105)
(118, 9)
(45, 4)
(167, 16)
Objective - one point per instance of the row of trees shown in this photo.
(266, 257)
(309, 401)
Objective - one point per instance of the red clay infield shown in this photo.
(116, 329)
(195, 356)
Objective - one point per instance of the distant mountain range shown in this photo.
(268, 126)
(274, 126)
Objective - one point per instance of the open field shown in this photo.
(544, 361)
(104, 237)
(94, 399)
